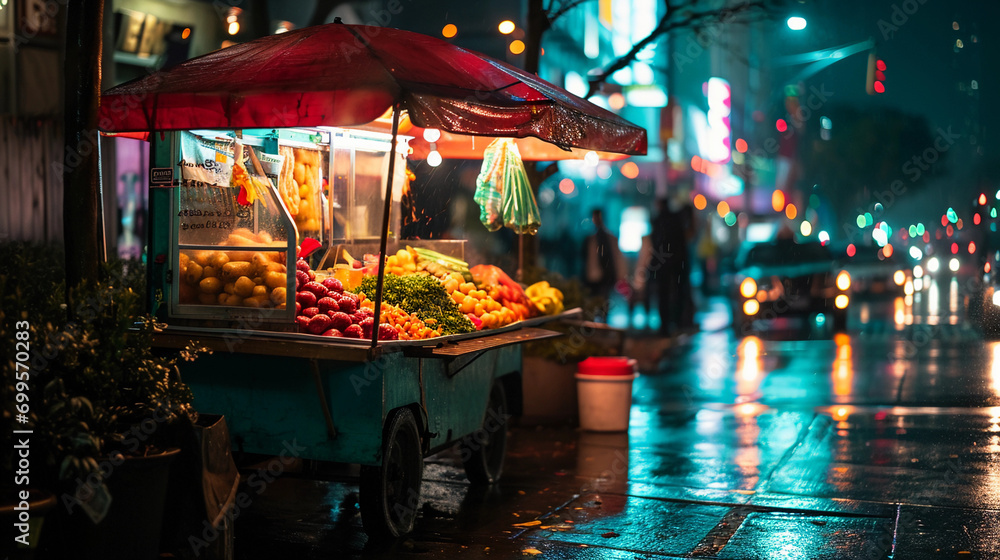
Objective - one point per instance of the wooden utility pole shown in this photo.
(83, 230)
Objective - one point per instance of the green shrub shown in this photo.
(95, 385)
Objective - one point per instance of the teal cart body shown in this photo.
(383, 405)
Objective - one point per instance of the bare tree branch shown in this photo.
(666, 25)
(553, 16)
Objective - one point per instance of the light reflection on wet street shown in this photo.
(881, 442)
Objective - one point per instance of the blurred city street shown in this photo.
(794, 443)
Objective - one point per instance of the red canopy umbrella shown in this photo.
(343, 75)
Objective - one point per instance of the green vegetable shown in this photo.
(448, 264)
(423, 295)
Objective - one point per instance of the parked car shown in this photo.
(875, 275)
(783, 278)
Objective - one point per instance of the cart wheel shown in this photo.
(483, 452)
(390, 494)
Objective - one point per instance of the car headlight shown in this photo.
(953, 265)
(843, 280)
(933, 264)
(748, 288)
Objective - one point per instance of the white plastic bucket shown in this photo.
(605, 395)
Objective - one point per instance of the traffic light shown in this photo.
(876, 74)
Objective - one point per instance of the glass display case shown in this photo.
(235, 240)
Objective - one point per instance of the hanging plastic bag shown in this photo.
(489, 183)
(520, 211)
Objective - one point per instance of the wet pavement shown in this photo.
(882, 442)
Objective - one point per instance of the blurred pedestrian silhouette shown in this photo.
(670, 267)
(603, 262)
(642, 290)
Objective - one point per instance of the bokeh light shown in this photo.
(722, 208)
(449, 31)
(778, 200)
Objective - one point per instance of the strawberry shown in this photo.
(302, 265)
(333, 285)
(316, 288)
(298, 308)
(353, 331)
(387, 332)
(348, 304)
(327, 304)
(310, 312)
(301, 279)
(320, 323)
(366, 327)
(340, 320)
(333, 332)
(303, 322)
(306, 299)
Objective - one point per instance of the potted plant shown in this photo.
(549, 366)
(105, 410)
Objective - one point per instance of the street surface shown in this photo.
(795, 443)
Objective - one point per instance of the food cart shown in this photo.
(237, 187)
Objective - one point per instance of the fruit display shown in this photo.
(299, 185)
(502, 288)
(424, 296)
(325, 308)
(408, 326)
(482, 309)
(234, 278)
(439, 265)
(547, 299)
(402, 263)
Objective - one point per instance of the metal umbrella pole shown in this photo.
(384, 241)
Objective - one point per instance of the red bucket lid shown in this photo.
(615, 365)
